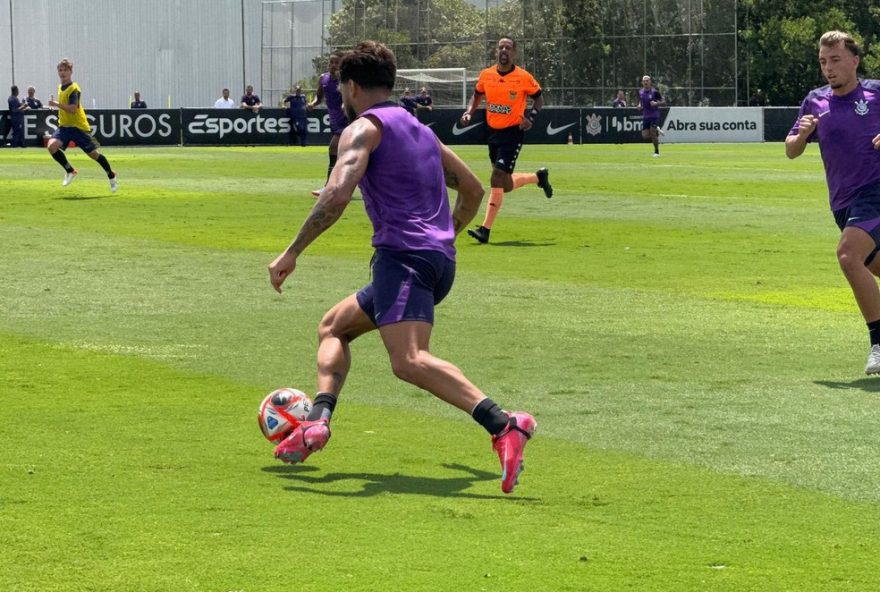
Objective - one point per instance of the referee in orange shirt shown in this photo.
(506, 88)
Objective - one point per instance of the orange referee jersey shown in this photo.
(506, 95)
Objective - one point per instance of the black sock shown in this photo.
(490, 416)
(331, 165)
(323, 407)
(102, 160)
(874, 332)
(61, 159)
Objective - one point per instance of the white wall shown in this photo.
(188, 49)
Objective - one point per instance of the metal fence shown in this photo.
(688, 46)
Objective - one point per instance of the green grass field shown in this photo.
(678, 326)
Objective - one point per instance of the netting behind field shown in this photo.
(580, 57)
(448, 87)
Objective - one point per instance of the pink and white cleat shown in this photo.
(308, 437)
(509, 445)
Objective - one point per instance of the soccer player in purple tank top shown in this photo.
(328, 91)
(844, 117)
(650, 102)
(414, 263)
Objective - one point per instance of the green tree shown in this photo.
(424, 33)
(779, 42)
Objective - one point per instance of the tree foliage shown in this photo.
(780, 44)
(572, 46)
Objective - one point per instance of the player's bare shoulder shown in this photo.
(364, 133)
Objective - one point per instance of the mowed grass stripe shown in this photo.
(694, 366)
(670, 376)
(158, 479)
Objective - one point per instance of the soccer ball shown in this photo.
(282, 411)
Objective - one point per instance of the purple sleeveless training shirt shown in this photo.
(404, 187)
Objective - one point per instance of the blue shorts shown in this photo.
(504, 147)
(406, 286)
(86, 142)
(649, 122)
(864, 213)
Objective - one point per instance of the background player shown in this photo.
(506, 88)
(328, 91)
(650, 102)
(74, 127)
(414, 264)
(299, 117)
(844, 117)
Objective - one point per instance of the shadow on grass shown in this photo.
(870, 385)
(372, 484)
(82, 197)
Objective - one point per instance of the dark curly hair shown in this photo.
(370, 64)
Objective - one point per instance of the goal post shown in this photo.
(448, 87)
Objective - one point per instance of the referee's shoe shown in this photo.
(544, 182)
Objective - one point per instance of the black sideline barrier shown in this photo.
(554, 125)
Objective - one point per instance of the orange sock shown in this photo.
(520, 179)
(496, 197)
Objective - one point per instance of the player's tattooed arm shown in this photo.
(320, 219)
(355, 145)
(451, 178)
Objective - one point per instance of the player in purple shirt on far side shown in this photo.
(844, 117)
(414, 262)
(650, 103)
(328, 91)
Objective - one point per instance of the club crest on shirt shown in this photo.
(512, 94)
(861, 107)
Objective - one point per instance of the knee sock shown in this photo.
(61, 159)
(520, 179)
(496, 197)
(323, 407)
(874, 332)
(331, 165)
(102, 160)
(490, 416)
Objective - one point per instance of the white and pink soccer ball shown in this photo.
(282, 411)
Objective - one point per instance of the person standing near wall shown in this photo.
(32, 101)
(17, 107)
(297, 111)
(251, 101)
(408, 102)
(224, 102)
(137, 103)
(424, 102)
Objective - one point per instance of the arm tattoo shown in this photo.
(320, 219)
(451, 178)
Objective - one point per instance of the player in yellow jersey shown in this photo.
(74, 127)
(506, 88)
